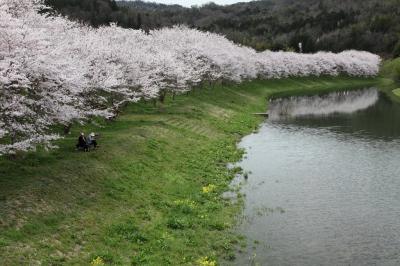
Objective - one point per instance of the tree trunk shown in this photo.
(12, 156)
(162, 96)
(13, 139)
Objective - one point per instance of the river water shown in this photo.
(324, 182)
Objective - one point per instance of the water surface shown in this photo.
(324, 182)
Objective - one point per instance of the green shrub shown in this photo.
(396, 50)
(178, 223)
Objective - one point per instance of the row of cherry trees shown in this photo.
(55, 72)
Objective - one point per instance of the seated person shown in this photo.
(92, 140)
(82, 143)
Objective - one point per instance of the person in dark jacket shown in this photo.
(82, 143)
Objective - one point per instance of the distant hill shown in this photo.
(334, 25)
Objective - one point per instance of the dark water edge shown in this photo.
(324, 182)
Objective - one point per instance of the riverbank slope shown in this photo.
(390, 78)
(151, 194)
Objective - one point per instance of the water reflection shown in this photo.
(337, 102)
(324, 186)
(366, 113)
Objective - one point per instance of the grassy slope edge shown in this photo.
(139, 199)
(390, 78)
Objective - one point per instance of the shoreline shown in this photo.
(152, 194)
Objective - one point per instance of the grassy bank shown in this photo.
(391, 69)
(151, 195)
(390, 78)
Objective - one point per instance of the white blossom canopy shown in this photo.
(54, 71)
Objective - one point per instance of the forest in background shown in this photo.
(329, 25)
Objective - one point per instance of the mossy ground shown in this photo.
(139, 199)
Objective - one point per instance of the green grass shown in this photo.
(396, 92)
(391, 69)
(390, 78)
(139, 199)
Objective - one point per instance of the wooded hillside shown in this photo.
(372, 25)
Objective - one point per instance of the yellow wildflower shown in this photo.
(97, 262)
(189, 203)
(208, 189)
(206, 261)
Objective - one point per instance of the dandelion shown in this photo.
(185, 203)
(206, 261)
(97, 262)
(208, 189)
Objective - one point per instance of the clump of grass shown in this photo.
(185, 206)
(177, 223)
(127, 231)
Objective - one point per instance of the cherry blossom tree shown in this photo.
(56, 72)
